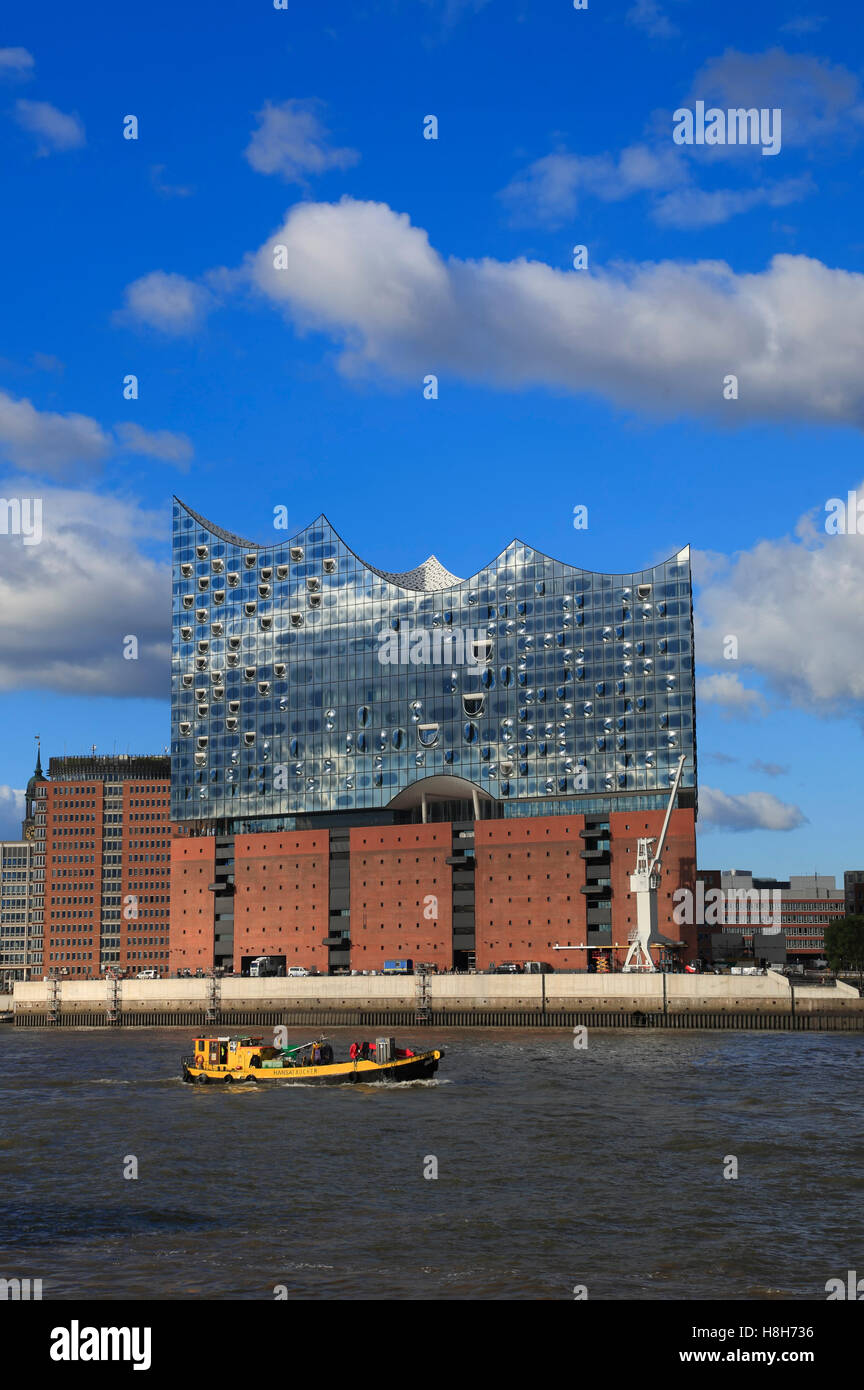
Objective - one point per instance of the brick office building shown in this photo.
(108, 860)
(370, 766)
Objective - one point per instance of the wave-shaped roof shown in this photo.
(429, 577)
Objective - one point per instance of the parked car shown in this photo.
(297, 972)
(147, 975)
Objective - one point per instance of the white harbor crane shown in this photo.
(644, 884)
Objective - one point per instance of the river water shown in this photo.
(557, 1167)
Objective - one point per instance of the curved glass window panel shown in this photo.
(397, 738)
(427, 734)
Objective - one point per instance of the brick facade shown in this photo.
(193, 867)
(282, 897)
(400, 880)
(527, 895)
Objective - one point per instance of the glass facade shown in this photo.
(305, 681)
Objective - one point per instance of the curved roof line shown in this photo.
(431, 567)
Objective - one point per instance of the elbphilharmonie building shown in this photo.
(316, 694)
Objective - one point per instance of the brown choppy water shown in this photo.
(557, 1167)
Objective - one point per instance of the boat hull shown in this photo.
(420, 1068)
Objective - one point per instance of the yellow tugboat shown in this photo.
(223, 1060)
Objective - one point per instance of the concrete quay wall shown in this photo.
(462, 998)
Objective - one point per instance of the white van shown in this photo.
(148, 975)
(297, 972)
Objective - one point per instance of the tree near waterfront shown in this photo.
(844, 944)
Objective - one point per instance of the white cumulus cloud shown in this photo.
(17, 61)
(655, 336)
(46, 442)
(727, 692)
(648, 15)
(795, 605)
(68, 604)
(748, 811)
(54, 129)
(11, 812)
(292, 141)
(167, 301)
(160, 444)
(53, 445)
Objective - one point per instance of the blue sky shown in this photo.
(410, 256)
